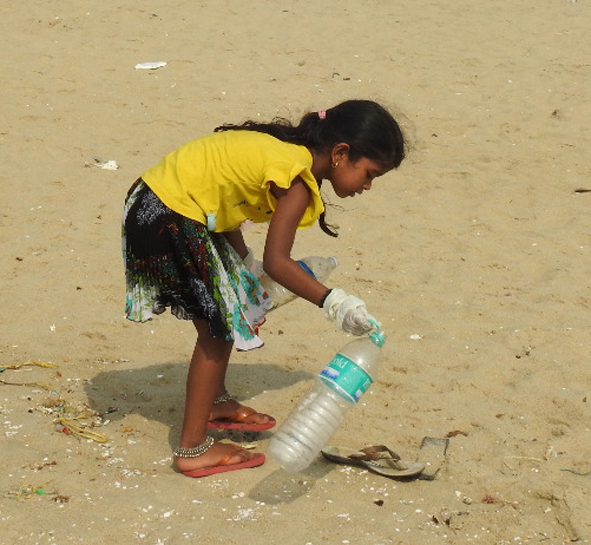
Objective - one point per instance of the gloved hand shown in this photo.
(255, 266)
(348, 312)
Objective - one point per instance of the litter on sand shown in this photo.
(17, 366)
(432, 455)
(104, 164)
(69, 420)
(377, 459)
(150, 65)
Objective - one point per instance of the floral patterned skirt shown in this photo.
(172, 261)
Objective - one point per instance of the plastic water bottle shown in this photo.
(317, 267)
(319, 414)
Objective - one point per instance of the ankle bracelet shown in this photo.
(194, 452)
(222, 398)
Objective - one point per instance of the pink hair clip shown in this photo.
(322, 114)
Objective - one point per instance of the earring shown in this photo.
(334, 165)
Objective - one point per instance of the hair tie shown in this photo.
(322, 114)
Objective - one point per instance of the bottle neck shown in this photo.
(377, 337)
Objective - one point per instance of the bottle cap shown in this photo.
(377, 336)
(307, 269)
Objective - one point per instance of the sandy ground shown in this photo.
(475, 256)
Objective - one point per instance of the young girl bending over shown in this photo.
(183, 247)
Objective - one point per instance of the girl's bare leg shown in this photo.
(205, 381)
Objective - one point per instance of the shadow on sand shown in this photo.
(157, 392)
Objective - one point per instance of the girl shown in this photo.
(183, 247)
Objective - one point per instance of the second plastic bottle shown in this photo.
(317, 267)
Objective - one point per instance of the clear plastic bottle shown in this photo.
(318, 267)
(319, 414)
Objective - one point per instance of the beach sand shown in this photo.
(474, 255)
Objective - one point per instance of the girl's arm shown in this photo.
(277, 261)
(236, 240)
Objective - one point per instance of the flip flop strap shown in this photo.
(242, 414)
(225, 461)
(379, 456)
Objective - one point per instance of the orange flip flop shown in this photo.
(257, 460)
(238, 421)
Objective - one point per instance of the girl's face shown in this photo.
(350, 178)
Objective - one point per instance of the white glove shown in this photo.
(348, 312)
(255, 266)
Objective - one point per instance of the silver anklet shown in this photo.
(194, 452)
(222, 398)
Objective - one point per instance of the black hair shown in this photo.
(368, 128)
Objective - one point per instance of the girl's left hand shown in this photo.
(348, 312)
(255, 266)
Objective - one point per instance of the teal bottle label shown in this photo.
(346, 378)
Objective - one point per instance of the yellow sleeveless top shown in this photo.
(225, 178)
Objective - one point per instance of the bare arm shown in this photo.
(277, 261)
(236, 240)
